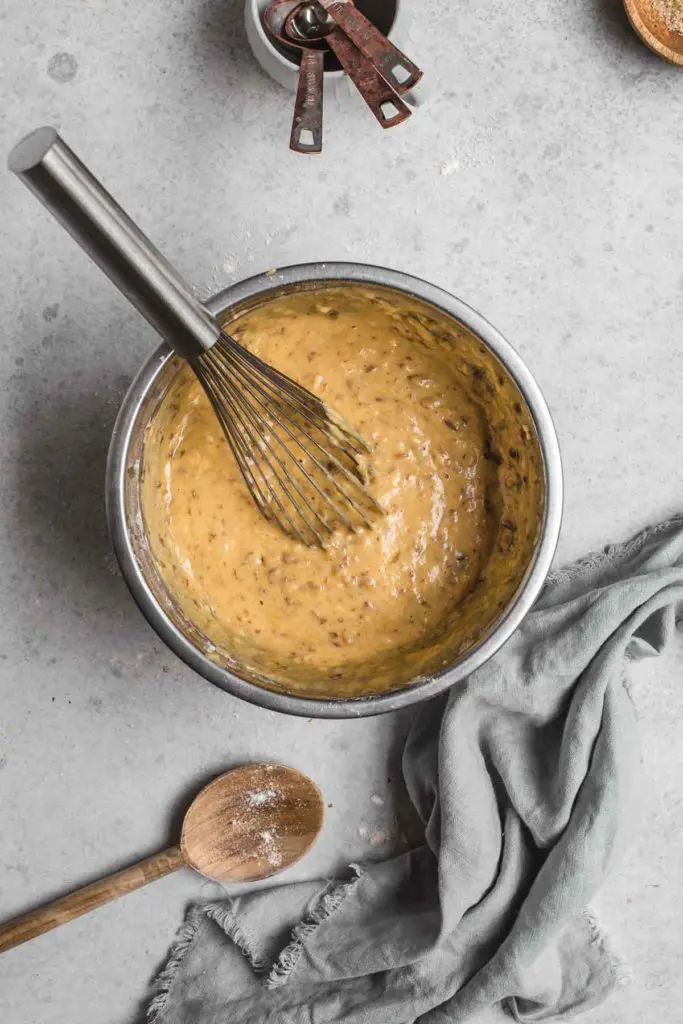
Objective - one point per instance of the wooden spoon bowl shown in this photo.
(653, 31)
(251, 823)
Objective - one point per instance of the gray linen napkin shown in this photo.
(524, 780)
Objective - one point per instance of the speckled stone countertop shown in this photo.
(543, 184)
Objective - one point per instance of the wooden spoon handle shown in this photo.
(44, 919)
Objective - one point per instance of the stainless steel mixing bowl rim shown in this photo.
(419, 690)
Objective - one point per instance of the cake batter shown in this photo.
(336, 618)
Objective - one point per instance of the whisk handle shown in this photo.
(51, 170)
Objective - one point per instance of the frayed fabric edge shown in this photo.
(613, 553)
(620, 971)
(623, 974)
(224, 916)
(326, 904)
(163, 982)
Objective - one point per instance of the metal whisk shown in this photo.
(301, 461)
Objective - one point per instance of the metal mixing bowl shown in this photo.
(127, 527)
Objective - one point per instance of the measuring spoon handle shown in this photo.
(44, 919)
(394, 67)
(307, 126)
(385, 104)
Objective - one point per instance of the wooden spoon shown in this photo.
(244, 826)
(654, 32)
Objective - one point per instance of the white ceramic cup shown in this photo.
(284, 69)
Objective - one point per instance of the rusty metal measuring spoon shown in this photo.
(307, 124)
(309, 22)
(394, 67)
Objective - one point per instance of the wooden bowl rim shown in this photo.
(633, 9)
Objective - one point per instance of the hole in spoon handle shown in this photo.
(384, 103)
(394, 67)
(307, 126)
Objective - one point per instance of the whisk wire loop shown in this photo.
(300, 461)
(271, 404)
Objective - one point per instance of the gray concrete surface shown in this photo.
(543, 184)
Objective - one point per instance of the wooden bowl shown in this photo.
(651, 28)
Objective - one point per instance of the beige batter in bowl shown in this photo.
(393, 653)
